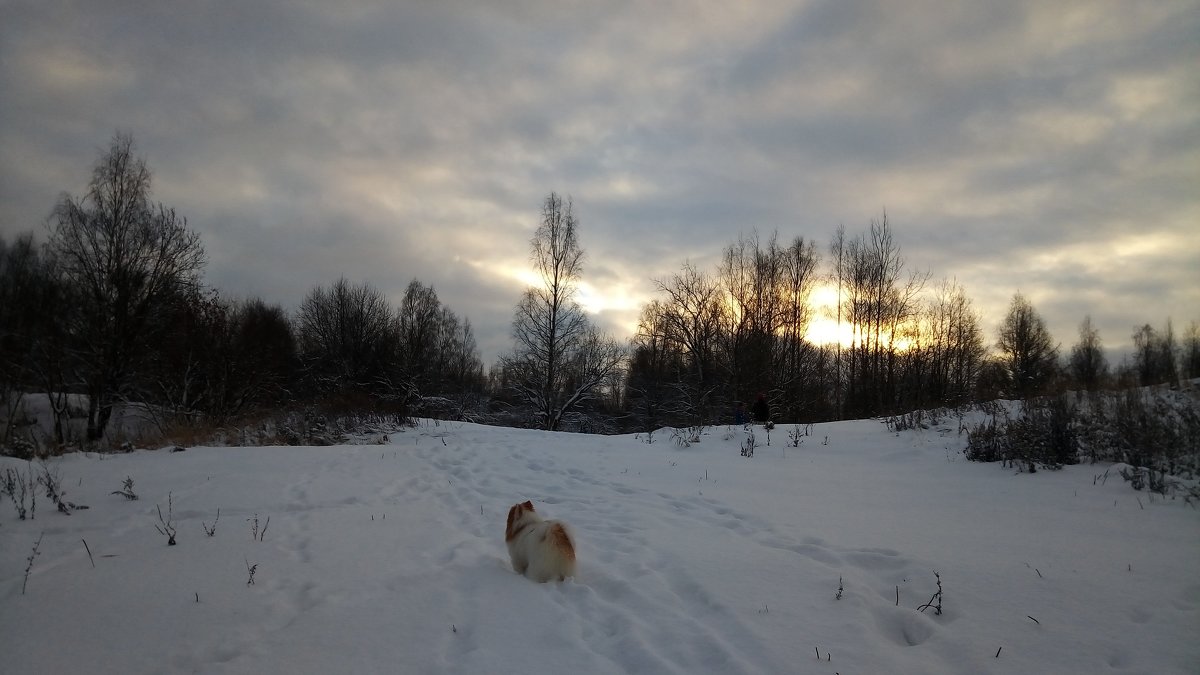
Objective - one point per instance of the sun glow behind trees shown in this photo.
(825, 329)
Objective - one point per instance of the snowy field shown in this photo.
(390, 559)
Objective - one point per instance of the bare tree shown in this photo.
(183, 373)
(751, 278)
(1191, 351)
(690, 324)
(837, 252)
(650, 372)
(881, 307)
(951, 351)
(347, 340)
(224, 359)
(464, 366)
(597, 358)
(1154, 355)
(1088, 366)
(793, 362)
(122, 254)
(438, 351)
(559, 358)
(1028, 351)
(33, 339)
(419, 317)
(691, 318)
(263, 359)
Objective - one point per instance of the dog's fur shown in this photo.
(542, 550)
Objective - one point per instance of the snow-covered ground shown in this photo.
(390, 559)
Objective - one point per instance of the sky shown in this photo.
(1050, 148)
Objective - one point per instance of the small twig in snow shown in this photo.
(937, 609)
(210, 531)
(126, 490)
(33, 554)
(255, 534)
(168, 528)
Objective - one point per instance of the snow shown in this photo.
(391, 559)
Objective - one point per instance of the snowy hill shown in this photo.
(390, 559)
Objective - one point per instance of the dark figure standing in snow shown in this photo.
(762, 412)
(739, 414)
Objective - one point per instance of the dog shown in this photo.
(542, 550)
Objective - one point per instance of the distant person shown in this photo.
(739, 414)
(762, 412)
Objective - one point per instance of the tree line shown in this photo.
(112, 309)
(714, 339)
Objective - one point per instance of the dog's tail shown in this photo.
(560, 539)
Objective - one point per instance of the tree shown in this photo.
(438, 352)
(1029, 353)
(691, 319)
(262, 356)
(420, 318)
(348, 342)
(1088, 366)
(1191, 351)
(677, 345)
(122, 255)
(1154, 355)
(179, 378)
(650, 373)
(559, 358)
(952, 351)
(751, 278)
(224, 359)
(837, 252)
(880, 307)
(795, 357)
(459, 364)
(33, 339)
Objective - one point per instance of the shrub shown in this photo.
(1155, 431)
(1043, 434)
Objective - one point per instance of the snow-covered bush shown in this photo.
(1154, 428)
(684, 437)
(1153, 432)
(1043, 434)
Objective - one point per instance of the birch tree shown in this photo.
(122, 254)
(559, 358)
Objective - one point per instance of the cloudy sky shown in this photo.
(1047, 147)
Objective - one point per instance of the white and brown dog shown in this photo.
(540, 549)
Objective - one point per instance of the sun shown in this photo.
(824, 329)
(827, 332)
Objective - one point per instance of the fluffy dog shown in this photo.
(540, 549)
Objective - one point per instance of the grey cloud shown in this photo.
(386, 141)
